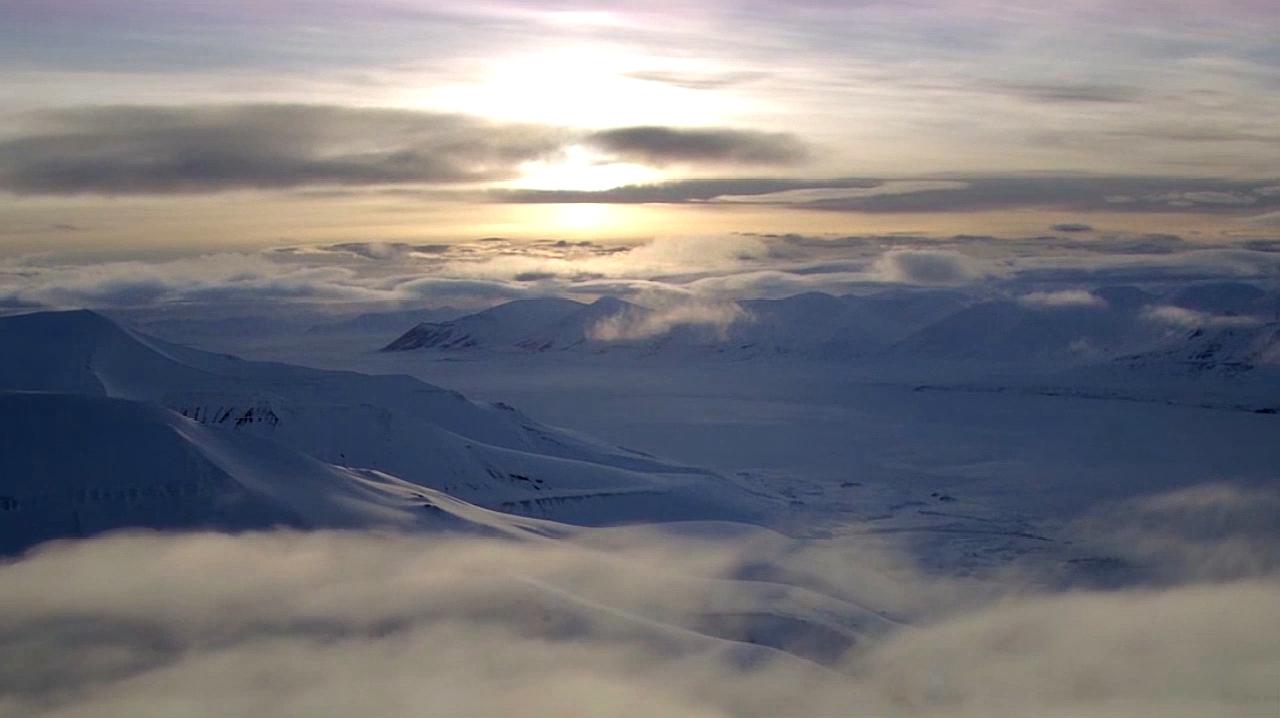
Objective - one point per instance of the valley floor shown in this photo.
(969, 471)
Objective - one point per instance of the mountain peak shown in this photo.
(60, 319)
(609, 301)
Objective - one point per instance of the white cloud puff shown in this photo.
(1062, 299)
(1190, 319)
(715, 317)
(920, 266)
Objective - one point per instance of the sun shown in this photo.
(580, 169)
(582, 85)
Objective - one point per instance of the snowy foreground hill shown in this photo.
(105, 428)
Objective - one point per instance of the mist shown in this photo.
(630, 622)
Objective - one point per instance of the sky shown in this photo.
(157, 131)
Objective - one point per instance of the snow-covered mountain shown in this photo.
(1223, 349)
(822, 326)
(526, 325)
(76, 465)
(489, 455)
(1037, 329)
(811, 324)
(1227, 299)
(388, 322)
(1052, 328)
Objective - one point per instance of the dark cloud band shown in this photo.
(211, 148)
(947, 194)
(667, 145)
(137, 150)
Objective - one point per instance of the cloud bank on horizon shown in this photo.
(700, 277)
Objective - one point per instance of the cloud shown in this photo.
(373, 250)
(690, 81)
(209, 148)
(627, 623)
(1268, 219)
(706, 269)
(216, 277)
(772, 283)
(149, 149)
(713, 145)
(1210, 532)
(1144, 265)
(679, 191)
(662, 316)
(917, 266)
(1074, 93)
(1108, 655)
(463, 291)
(263, 281)
(977, 193)
(1203, 65)
(827, 194)
(1192, 319)
(1071, 227)
(1188, 199)
(1063, 298)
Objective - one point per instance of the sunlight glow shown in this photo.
(581, 85)
(581, 217)
(580, 169)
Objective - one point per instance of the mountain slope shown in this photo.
(1223, 298)
(500, 327)
(493, 456)
(383, 322)
(527, 325)
(1018, 331)
(1229, 349)
(77, 465)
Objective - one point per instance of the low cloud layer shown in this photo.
(629, 623)
(668, 274)
(1214, 532)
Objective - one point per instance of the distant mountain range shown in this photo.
(1230, 326)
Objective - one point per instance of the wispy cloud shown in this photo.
(1185, 318)
(1063, 298)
